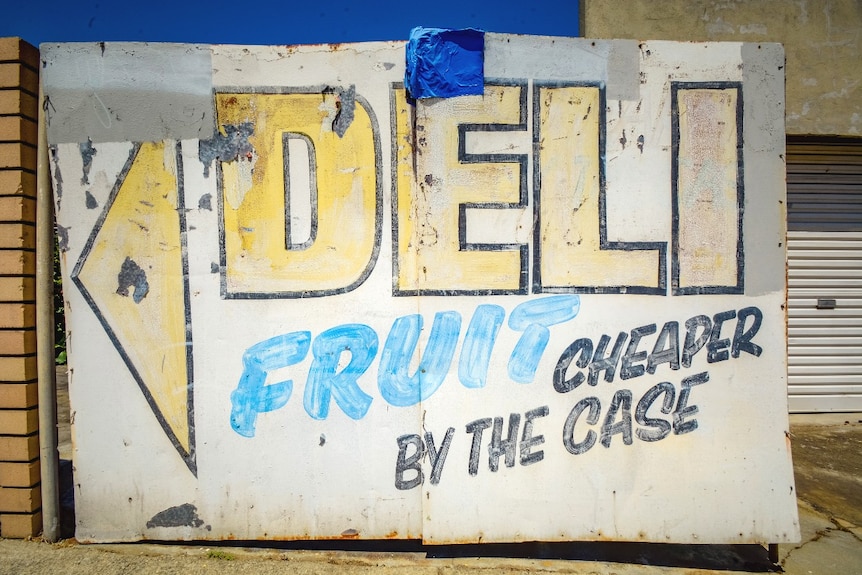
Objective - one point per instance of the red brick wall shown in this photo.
(20, 494)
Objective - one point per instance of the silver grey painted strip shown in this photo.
(616, 63)
(563, 59)
(624, 70)
(127, 92)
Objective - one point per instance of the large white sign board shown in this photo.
(302, 304)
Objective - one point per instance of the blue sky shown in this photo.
(271, 22)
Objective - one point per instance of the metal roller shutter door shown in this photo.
(824, 252)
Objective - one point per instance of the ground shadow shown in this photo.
(67, 500)
(747, 558)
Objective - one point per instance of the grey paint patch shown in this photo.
(62, 238)
(214, 268)
(346, 105)
(624, 69)
(131, 275)
(127, 91)
(91, 202)
(205, 203)
(185, 515)
(764, 137)
(388, 65)
(87, 153)
(228, 147)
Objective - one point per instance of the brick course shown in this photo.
(14, 102)
(16, 75)
(17, 236)
(19, 474)
(16, 342)
(20, 499)
(20, 525)
(21, 208)
(19, 448)
(16, 155)
(17, 315)
(16, 262)
(17, 181)
(15, 369)
(17, 129)
(18, 396)
(19, 421)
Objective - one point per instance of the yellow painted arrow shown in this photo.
(133, 274)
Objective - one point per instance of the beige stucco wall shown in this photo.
(822, 41)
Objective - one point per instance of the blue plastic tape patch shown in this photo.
(445, 63)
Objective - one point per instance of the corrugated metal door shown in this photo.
(824, 249)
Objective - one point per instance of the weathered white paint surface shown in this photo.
(188, 314)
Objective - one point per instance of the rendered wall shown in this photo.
(821, 38)
(302, 305)
(20, 495)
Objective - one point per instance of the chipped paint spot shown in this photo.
(214, 268)
(205, 203)
(90, 201)
(350, 533)
(346, 104)
(131, 275)
(185, 515)
(226, 147)
(641, 143)
(87, 153)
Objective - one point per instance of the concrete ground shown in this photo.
(827, 454)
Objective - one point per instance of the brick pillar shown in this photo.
(20, 495)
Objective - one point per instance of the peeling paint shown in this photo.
(58, 177)
(185, 515)
(226, 147)
(62, 238)
(235, 191)
(87, 153)
(90, 201)
(131, 275)
(346, 104)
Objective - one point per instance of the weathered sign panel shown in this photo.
(303, 304)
